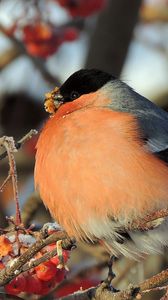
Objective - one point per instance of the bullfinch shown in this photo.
(101, 163)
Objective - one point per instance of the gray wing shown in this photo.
(153, 120)
(154, 126)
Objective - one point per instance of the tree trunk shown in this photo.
(110, 40)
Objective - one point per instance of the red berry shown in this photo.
(46, 271)
(66, 255)
(41, 39)
(47, 286)
(37, 32)
(55, 260)
(43, 50)
(60, 275)
(33, 284)
(16, 286)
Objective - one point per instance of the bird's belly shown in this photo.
(91, 168)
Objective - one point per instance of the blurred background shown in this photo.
(42, 42)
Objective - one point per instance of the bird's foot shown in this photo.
(62, 263)
(111, 275)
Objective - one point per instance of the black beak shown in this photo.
(58, 99)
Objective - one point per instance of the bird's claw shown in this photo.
(111, 276)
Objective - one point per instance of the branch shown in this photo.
(39, 63)
(8, 56)
(146, 222)
(153, 282)
(20, 143)
(20, 264)
(9, 144)
(37, 262)
(102, 293)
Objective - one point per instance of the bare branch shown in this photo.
(155, 281)
(9, 144)
(101, 292)
(21, 142)
(146, 222)
(11, 148)
(11, 271)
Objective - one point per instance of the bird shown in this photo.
(101, 163)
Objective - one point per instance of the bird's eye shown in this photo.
(74, 95)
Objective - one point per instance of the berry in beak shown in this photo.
(53, 101)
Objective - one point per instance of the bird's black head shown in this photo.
(82, 82)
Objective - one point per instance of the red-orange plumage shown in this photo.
(91, 164)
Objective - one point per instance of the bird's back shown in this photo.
(152, 120)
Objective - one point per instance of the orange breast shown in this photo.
(91, 164)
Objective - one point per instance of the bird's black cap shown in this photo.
(84, 81)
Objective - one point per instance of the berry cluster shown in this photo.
(38, 280)
(40, 36)
(43, 39)
(82, 8)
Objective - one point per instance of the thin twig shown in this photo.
(21, 142)
(38, 261)
(9, 144)
(5, 182)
